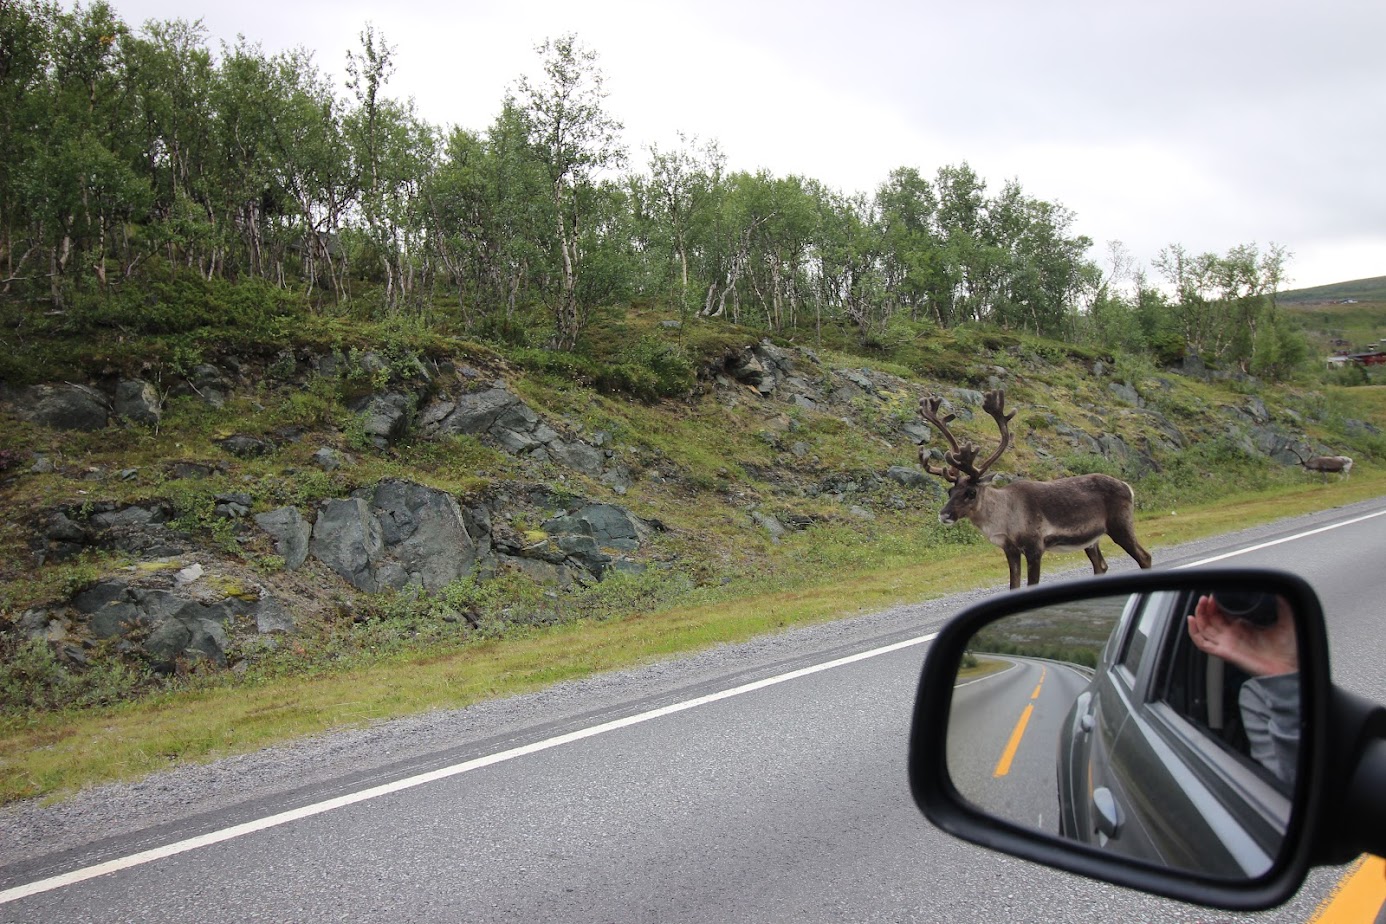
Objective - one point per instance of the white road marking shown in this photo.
(1283, 539)
(317, 808)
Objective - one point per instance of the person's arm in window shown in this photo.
(1262, 643)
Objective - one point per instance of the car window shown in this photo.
(1203, 690)
(1128, 615)
(1138, 637)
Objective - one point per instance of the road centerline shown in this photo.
(1003, 766)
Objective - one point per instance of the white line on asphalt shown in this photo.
(317, 808)
(1266, 545)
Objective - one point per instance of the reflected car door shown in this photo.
(1189, 796)
(1094, 803)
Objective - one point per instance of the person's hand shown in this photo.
(1256, 650)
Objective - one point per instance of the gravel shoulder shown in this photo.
(252, 785)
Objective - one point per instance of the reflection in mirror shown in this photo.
(1161, 726)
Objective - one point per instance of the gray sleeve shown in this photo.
(1270, 714)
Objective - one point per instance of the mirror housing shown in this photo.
(940, 800)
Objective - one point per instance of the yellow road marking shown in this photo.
(1004, 766)
(1358, 897)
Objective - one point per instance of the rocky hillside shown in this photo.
(195, 524)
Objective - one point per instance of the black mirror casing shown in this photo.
(940, 801)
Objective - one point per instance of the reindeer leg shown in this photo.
(1126, 538)
(1099, 564)
(1013, 562)
(1032, 561)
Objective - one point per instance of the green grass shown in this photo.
(52, 755)
(706, 460)
(975, 668)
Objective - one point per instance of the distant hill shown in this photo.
(1343, 317)
(1360, 290)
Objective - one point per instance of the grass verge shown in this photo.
(58, 754)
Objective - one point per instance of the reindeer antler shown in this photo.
(951, 475)
(994, 403)
(961, 457)
(928, 409)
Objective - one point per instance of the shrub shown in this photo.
(565, 365)
(182, 302)
(1206, 471)
(1088, 463)
(34, 680)
(650, 369)
(619, 594)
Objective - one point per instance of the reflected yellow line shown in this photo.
(1358, 897)
(1004, 765)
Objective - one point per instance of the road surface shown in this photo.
(763, 782)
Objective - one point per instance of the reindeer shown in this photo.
(1030, 517)
(1325, 464)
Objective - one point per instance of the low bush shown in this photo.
(34, 680)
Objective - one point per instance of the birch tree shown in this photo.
(576, 139)
(682, 186)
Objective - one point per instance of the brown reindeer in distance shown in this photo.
(1325, 464)
(1031, 517)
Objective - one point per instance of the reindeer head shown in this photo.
(968, 479)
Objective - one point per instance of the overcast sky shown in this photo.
(1209, 124)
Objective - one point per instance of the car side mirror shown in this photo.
(1163, 730)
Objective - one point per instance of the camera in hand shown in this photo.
(1259, 609)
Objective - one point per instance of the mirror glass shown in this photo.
(1163, 726)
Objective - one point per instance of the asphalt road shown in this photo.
(1003, 737)
(763, 782)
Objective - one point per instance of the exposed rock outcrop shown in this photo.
(65, 407)
(166, 614)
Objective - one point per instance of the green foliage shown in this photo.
(194, 504)
(1349, 375)
(1084, 655)
(310, 487)
(1167, 347)
(619, 594)
(1341, 416)
(1210, 469)
(251, 310)
(316, 406)
(1086, 463)
(649, 369)
(562, 365)
(229, 199)
(1278, 351)
(53, 583)
(466, 610)
(33, 680)
(488, 602)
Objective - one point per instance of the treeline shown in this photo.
(990, 643)
(131, 155)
